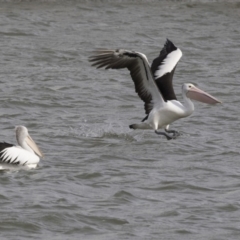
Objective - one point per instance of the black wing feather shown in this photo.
(4, 145)
(164, 83)
(117, 59)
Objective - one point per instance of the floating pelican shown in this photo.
(154, 85)
(27, 154)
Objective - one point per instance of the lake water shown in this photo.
(99, 179)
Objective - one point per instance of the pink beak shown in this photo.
(201, 96)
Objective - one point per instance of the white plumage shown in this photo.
(168, 63)
(27, 154)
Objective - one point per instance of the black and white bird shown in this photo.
(154, 85)
(26, 154)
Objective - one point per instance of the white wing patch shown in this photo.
(18, 156)
(168, 63)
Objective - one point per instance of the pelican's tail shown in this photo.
(139, 126)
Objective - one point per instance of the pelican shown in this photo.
(154, 85)
(27, 154)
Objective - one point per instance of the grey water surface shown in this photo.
(99, 179)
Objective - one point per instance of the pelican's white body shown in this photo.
(163, 115)
(22, 156)
(18, 154)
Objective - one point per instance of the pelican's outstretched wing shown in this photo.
(140, 71)
(163, 68)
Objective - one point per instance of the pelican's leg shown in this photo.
(165, 134)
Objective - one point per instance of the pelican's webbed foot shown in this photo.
(165, 134)
(174, 132)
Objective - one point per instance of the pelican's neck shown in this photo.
(24, 145)
(188, 105)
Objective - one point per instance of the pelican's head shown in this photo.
(23, 136)
(195, 93)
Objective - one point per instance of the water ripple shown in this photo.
(99, 179)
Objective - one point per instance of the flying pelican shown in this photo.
(26, 154)
(154, 85)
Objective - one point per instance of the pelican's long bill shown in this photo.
(33, 146)
(201, 96)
